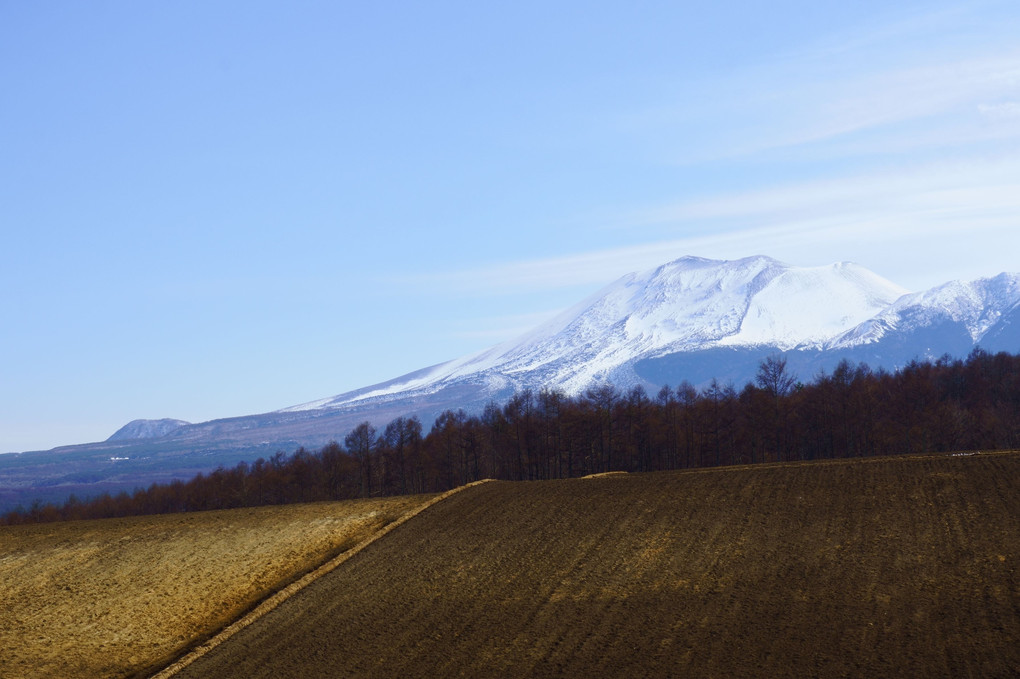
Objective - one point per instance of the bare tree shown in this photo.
(360, 443)
(776, 381)
(774, 378)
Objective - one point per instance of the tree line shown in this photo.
(854, 411)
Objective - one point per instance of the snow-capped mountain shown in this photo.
(688, 305)
(691, 319)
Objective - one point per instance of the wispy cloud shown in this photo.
(976, 185)
(1008, 110)
(891, 220)
(935, 106)
(498, 328)
(931, 81)
(542, 274)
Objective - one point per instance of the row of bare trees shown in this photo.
(851, 412)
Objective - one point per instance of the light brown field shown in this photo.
(122, 597)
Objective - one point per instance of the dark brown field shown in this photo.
(883, 567)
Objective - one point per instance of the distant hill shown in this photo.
(146, 429)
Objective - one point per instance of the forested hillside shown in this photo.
(948, 405)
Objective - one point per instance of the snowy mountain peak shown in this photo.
(694, 302)
(975, 305)
(688, 304)
(803, 307)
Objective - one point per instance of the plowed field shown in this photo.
(892, 567)
(116, 597)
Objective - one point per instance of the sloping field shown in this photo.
(119, 597)
(892, 567)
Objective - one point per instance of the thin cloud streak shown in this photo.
(881, 217)
(832, 94)
(499, 328)
(1007, 110)
(977, 185)
(895, 97)
(547, 273)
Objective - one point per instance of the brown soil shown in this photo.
(891, 567)
(122, 597)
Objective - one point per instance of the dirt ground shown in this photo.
(878, 568)
(122, 597)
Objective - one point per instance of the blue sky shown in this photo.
(217, 209)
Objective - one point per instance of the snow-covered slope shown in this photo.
(690, 304)
(976, 306)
